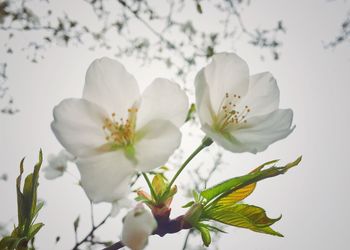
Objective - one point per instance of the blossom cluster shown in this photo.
(114, 132)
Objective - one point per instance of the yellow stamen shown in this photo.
(120, 133)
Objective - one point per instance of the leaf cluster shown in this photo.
(28, 209)
(223, 203)
(161, 195)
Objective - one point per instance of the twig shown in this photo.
(115, 246)
(90, 234)
(187, 238)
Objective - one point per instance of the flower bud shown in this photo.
(193, 215)
(139, 223)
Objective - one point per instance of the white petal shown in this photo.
(159, 139)
(163, 99)
(64, 154)
(203, 104)
(227, 73)
(139, 224)
(225, 140)
(263, 95)
(120, 204)
(265, 130)
(260, 132)
(78, 126)
(106, 177)
(109, 85)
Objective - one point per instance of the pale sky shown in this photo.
(314, 82)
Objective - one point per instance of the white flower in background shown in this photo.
(114, 131)
(238, 111)
(57, 164)
(139, 224)
(120, 204)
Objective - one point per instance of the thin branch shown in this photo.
(115, 246)
(187, 238)
(90, 234)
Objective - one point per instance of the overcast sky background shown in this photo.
(314, 82)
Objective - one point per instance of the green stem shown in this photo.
(205, 143)
(150, 186)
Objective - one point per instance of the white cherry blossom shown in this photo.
(238, 111)
(120, 204)
(57, 164)
(115, 131)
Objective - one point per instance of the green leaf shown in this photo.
(27, 209)
(195, 196)
(159, 185)
(28, 202)
(11, 242)
(34, 229)
(225, 188)
(188, 204)
(215, 229)
(242, 193)
(237, 195)
(7, 241)
(205, 233)
(242, 215)
(20, 197)
(30, 195)
(39, 206)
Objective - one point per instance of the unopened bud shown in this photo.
(139, 223)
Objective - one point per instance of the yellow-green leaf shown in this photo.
(34, 229)
(244, 192)
(223, 189)
(159, 185)
(243, 215)
(237, 195)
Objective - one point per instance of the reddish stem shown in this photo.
(165, 225)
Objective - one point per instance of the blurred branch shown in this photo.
(343, 35)
(201, 183)
(115, 19)
(89, 237)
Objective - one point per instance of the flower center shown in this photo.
(121, 133)
(230, 113)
